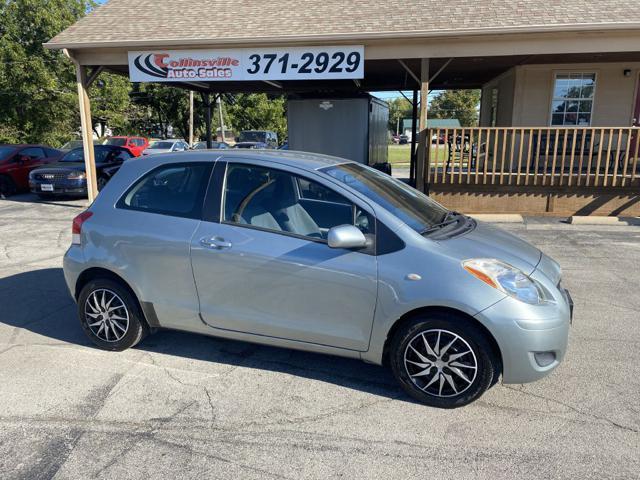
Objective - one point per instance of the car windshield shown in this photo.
(6, 152)
(163, 145)
(77, 155)
(119, 142)
(253, 137)
(409, 205)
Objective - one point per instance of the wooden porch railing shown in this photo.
(534, 156)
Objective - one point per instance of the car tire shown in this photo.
(7, 186)
(122, 327)
(452, 368)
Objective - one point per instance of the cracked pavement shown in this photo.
(188, 406)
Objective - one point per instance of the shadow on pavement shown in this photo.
(60, 201)
(38, 301)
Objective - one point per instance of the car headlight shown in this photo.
(507, 279)
(76, 175)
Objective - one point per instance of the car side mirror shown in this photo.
(346, 236)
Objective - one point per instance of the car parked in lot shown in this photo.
(136, 145)
(16, 161)
(316, 253)
(68, 175)
(166, 146)
(214, 146)
(257, 139)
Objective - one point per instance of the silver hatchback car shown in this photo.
(316, 253)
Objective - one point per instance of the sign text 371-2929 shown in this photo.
(294, 63)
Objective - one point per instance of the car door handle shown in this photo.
(215, 243)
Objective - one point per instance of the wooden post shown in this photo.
(424, 143)
(87, 130)
(207, 118)
(221, 139)
(414, 138)
(191, 118)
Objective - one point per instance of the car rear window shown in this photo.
(118, 142)
(173, 189)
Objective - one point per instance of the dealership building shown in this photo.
(560, 82)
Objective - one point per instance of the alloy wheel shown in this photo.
(106, 315)
(440, 363)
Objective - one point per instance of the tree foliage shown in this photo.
(38, 93)
(399, 109)
(460, 104)
(37, 101)
(259, 111)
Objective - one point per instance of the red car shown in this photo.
(134, 144)
(16, 161)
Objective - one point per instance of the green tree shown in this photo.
(38, 100)
(460, 104)
(399, 109)
(258, 111)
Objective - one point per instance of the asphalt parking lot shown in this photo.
(187, 406)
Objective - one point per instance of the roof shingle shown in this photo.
(169, 22)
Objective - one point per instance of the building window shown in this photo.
(572, 103)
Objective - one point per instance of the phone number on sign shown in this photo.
(307, 64)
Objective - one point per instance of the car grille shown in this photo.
(51, 176)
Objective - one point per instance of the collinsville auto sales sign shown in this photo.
(294, 63)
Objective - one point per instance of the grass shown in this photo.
(400, 155)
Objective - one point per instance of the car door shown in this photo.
(25, 161)
(262, 264)
(152, 233)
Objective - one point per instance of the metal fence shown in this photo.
(540, 156)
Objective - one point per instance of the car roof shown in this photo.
(303, 160)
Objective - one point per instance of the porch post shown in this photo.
(87, 130)
(207, 117)
(423, 145)
(414, 135)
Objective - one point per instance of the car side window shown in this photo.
(270, 199)
(174, 189)
(33, 152)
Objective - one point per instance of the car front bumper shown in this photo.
(532, 339)
(59, 187)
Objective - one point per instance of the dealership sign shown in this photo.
(295, 63)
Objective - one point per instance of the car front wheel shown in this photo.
(443, 360)
(110, 315)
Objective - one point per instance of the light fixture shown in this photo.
(627, 72)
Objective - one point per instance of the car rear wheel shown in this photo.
(7, 186)
(110, 315)
(442, 360)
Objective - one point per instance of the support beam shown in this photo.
(84, 105)
(414, 138)
(409, 71)
(191, 118)
(424, 146)
(440, 70)
(93, 75)
(219, 99)
(206, 97)
(273, 84)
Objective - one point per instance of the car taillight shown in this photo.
(76, 227)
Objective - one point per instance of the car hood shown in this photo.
(66, 166)
(62, 166)
(487, 241)
(151, 151)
